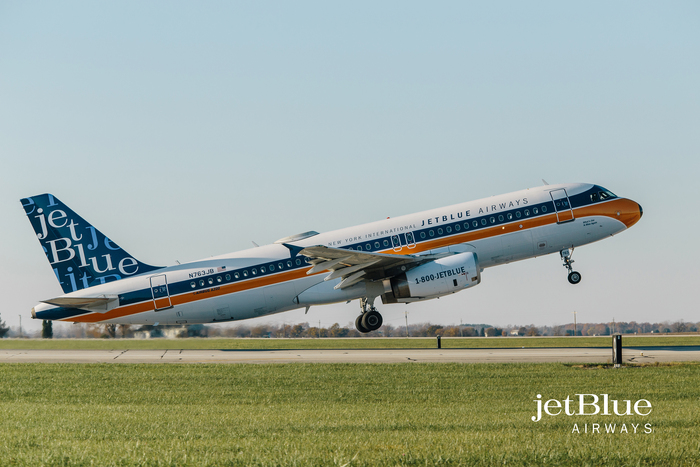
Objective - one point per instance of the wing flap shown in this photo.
(354, 266)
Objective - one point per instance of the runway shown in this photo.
(526, 355)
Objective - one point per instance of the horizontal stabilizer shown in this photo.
(91, 303)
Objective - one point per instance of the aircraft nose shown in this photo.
(629, 212)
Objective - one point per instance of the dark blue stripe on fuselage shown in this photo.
(60, 313)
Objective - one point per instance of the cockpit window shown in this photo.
(601, 194)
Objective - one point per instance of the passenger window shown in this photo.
(457, 227)
(210, 280)
(289, 263)
(466, 226)
(440, 231)
(509, 216)
(280, 266)
(272, 267)
(245, 273)
(228, 277)
(500, 218)
(236, 275)
(386, 243)
(254, 271)
(475, 223)
(359, 247)
(201, 282)
(431, 233)
(535, 211)
(448, 229)
(369, 247)
(527, 212)
(219, 279)
(544, 208)
(483, 222)
(298, 261)
(422, 235)
(517, 214)
(193, 285)
(377, 245)
(262, 269)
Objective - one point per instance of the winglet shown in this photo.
(293, 250)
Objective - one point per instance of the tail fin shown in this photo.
(80, 255)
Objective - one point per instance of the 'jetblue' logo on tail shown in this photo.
(80, 255)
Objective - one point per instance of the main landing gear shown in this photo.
(369, 319)
(574, 276)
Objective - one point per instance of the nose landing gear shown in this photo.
(574, 276)
(370, 319)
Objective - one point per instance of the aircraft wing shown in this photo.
(354, 266)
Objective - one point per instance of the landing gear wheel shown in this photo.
(360, 327)
(372, 320)
(574, 277)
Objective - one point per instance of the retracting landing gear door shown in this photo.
(562, 206)
(161, 295)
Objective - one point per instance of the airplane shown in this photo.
(405, 259)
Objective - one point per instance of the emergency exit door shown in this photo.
(562, 206)
(160, 292)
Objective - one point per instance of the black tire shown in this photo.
(372, 320)
(360, 327)
(574, 277)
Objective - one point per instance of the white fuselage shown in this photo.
(270, 279)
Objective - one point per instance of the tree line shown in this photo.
(306, 330)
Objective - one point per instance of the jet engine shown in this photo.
(434, 279)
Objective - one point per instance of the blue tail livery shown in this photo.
(81, 256)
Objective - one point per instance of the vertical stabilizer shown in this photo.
(80, 255)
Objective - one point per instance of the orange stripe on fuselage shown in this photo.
(214, 291)
(621, 209)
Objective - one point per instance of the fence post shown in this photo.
(617, 350)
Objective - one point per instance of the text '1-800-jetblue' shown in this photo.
(405, 259)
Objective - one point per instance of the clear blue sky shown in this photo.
(184, 130)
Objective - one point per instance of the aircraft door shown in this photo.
(160, 292)
(410, 240)
(562, 206)
(396, 242)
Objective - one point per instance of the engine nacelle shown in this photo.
(440, 277)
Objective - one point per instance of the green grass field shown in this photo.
(348, 343)
(322, 414)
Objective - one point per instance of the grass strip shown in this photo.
(338, 414)
(347, 343)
